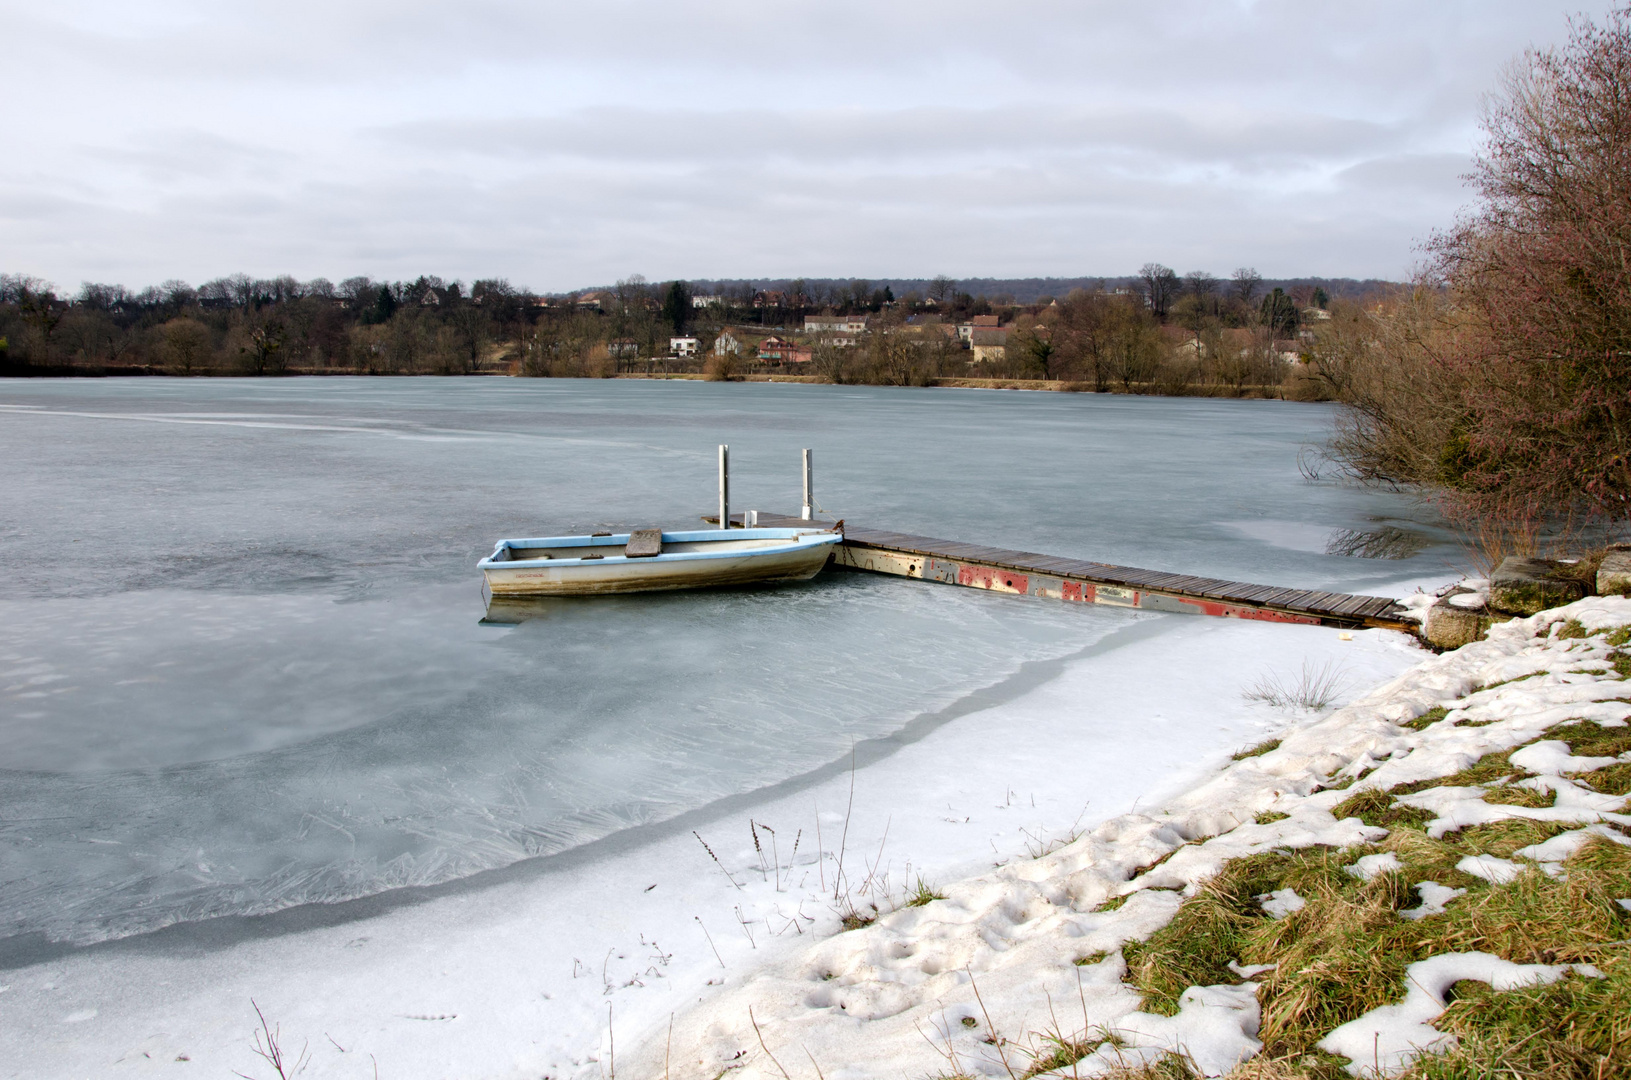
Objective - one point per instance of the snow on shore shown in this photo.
(1026, 947)
(540, 969)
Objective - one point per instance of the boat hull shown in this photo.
(795, 558)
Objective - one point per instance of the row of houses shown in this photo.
(983, 336)
(772, 350)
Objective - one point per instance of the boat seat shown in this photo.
(644, 543)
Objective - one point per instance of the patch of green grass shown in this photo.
(1614, 780)
(1503, 838)
(1508, 795)
(1427, 719)
(1621, 662)
(855, 919)
(1572, 629)
(1619, 637)
(923, 893)
(1345, 952)
(1376, 808)
(1587, 739)
(1092, 958)
(1268, 817)
(1574, 1027)
(1336, 945)
(1052, 1050)
(1169, 1067)
(1255, 751)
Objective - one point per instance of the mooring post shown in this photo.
(809, 486)
(724, 486)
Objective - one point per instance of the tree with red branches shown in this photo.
(1519, 408)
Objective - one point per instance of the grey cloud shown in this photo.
(831, 136)
(559, 143)
(1421, 172)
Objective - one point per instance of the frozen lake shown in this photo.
(241, 661)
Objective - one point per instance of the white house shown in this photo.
(704, 301)
(847, 324)
(683, 346)
(989, 343)
(965, 331)
(727, 343)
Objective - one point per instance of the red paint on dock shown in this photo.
(989, 577)
(1081, 592)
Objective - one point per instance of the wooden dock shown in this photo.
(1026, 573)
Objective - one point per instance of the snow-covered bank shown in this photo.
(1028, 957)
(525, 973)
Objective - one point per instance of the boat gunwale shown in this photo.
(797, 539)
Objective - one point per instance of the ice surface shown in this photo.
(240, 665)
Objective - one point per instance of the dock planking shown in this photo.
(1078, 580)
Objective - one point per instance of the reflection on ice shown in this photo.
(515, 610)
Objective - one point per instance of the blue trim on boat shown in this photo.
(798, 538)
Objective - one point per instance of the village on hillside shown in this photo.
(1179, 336)
(1155, 332)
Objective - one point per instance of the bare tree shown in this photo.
(184, 345)
(1160, 287)
(1244, 284)
(1509, 397)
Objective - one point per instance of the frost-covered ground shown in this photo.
(963, 984)
(537, 971)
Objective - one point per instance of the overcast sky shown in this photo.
(567, 144)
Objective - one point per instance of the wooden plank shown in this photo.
(644, 544)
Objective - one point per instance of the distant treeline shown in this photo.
(1007, 291)
(1157, 332)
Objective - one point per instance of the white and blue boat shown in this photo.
(650, 560)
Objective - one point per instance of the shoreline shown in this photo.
(1066, 386)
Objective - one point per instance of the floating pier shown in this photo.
(1026, 573)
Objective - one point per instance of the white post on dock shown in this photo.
(809, 486)
(724, 486)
